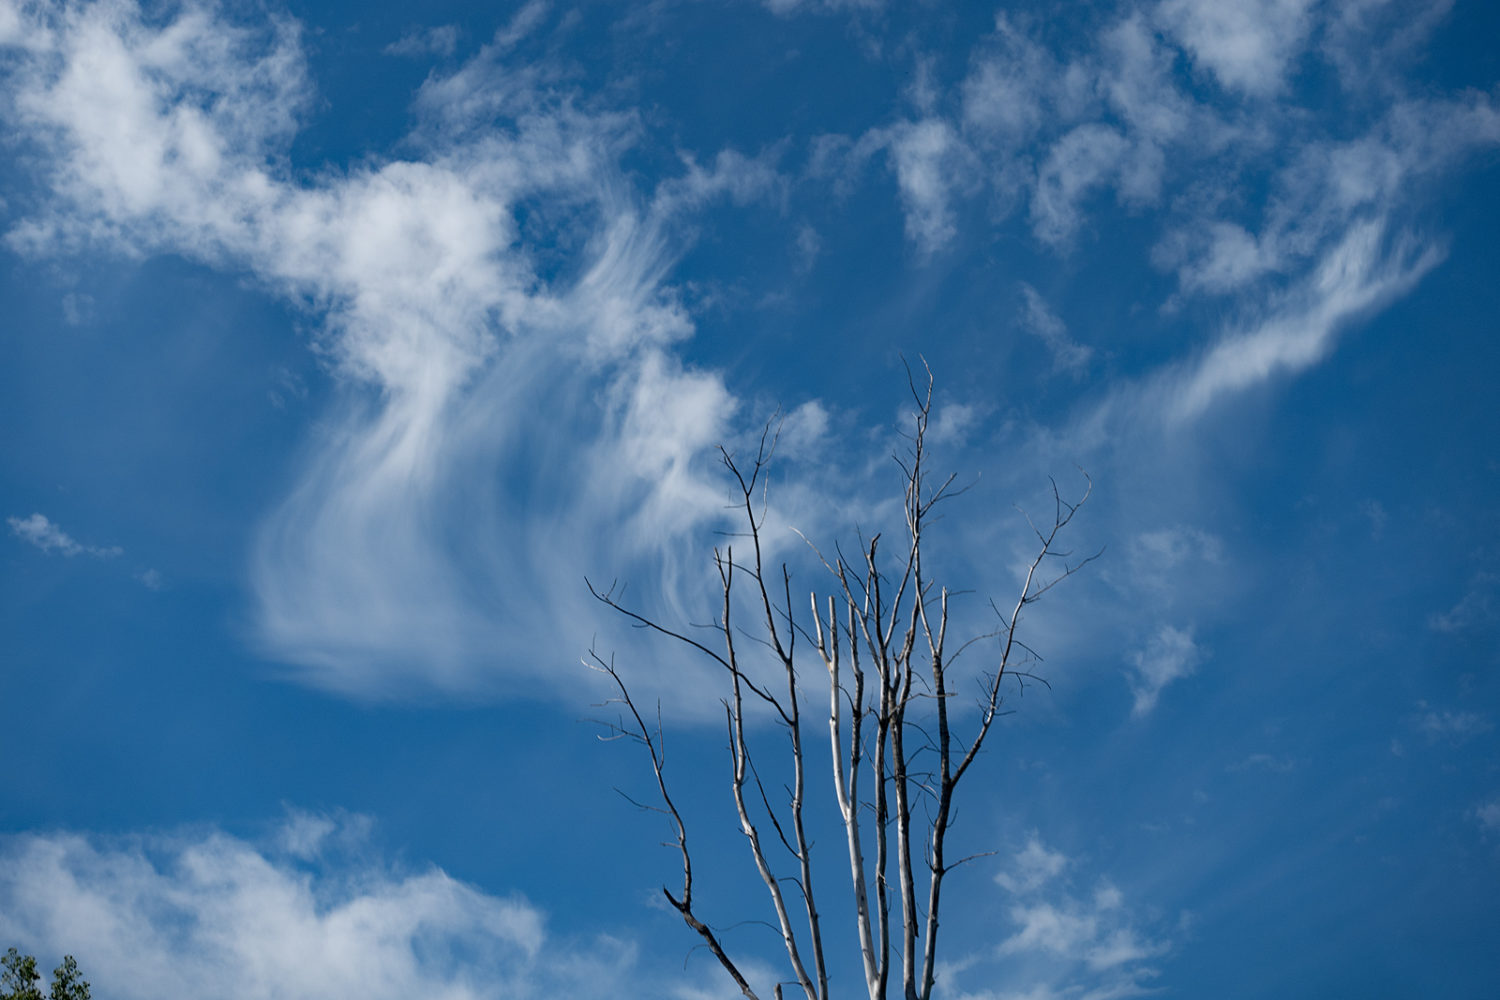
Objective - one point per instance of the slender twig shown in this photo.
(900, 744)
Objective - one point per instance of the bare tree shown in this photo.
(881, 635)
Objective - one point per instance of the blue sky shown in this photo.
(340, 343)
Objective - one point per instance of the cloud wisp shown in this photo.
(39, 531)
(1063, 942)
(1170, 655)
(512, 408)
(469, 376)
(1038, 318)
(1046, 132)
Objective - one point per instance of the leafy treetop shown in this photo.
(19, 979)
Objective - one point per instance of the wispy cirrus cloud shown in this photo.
(1037, 317)
(789, 7)
(1476, 610)
(37, 530)
(1058, 129)
(465, 355)
(505, 291)
(1283, 236)
(438, 41)
(1358, 275)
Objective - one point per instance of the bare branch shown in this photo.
(900, 744)
(684, 904)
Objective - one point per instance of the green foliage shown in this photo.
(67, 984)
(19, 979)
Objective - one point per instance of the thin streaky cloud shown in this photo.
(428, 305)
(39, 531)
(1038, 318)
(438, 41)
(1358, 275)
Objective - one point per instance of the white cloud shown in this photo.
(733, 175)
(309, 836)
(1037, 317)
(953, 422)
(1327, 225)
(470, 348)
(804, 432)
(152, 125)
(1356, 276)
(1264, 762)
(1456, 726)
(1006, 93)
(1066, 944)
(1488, 815)
(436, 41)
(1048, 928)
(933, 164)
(1328, 183)
(1033, 867)
(809, 244)
(209, 915)
(1079, 162)
(1135, 78)
(1476, 609)
(1120, 947)
(45, 535)
(41, 532)
(503, 295)
(1325, 191)
(1218, 257)
(1167, 549)
(1165, 563)
(523, 22)
(1170, 655)
(789, 7)
(1246, 45)
(77, 308)
(1368, 40)
(930, 162)
(1374, 512)
(1111, 113)
(1056, 130)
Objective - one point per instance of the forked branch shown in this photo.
(898, 756)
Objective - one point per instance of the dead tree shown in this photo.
(881, 635)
